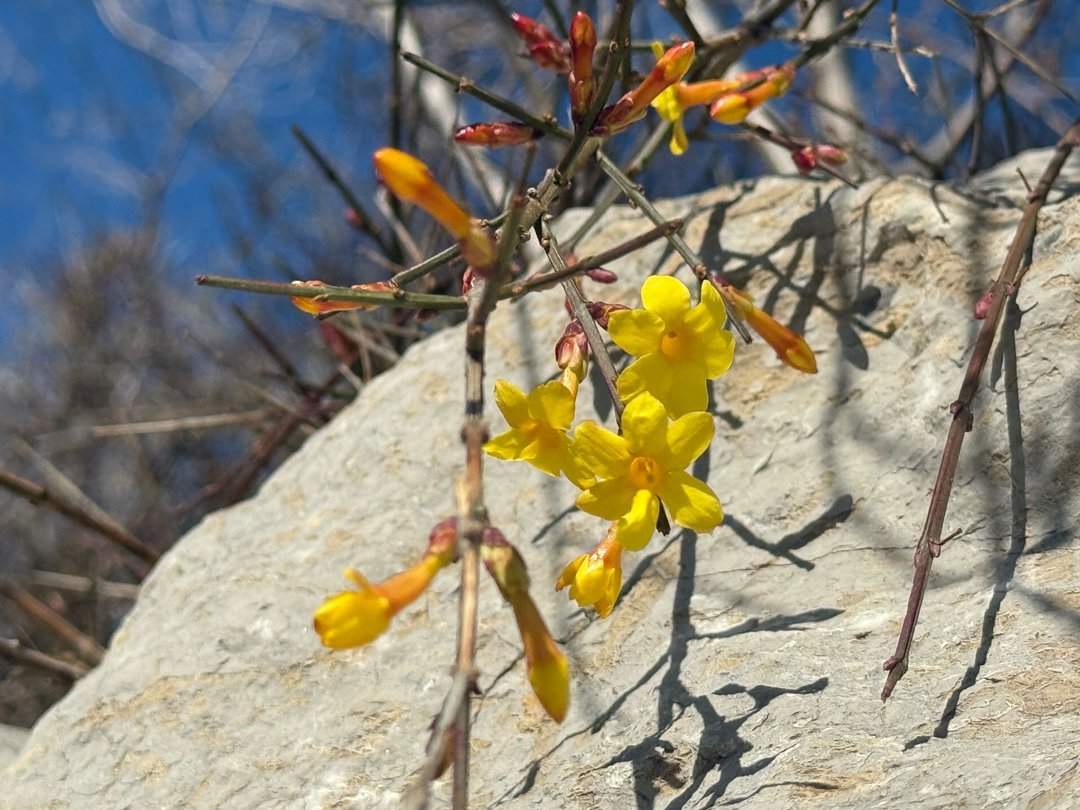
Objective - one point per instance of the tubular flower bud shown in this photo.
(789, 346)
(669, 69)
(601, 311)
(320, 307)
(497, 133)
(582, 47)
(572, 350)
(602, 275)
(595, 579)
(809, 157)
(545, 664)
(544, 47)
(409, 179)
(354, 618)
(768, 83)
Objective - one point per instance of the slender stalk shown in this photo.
(695, 262)
(584, 317)
(930, 541)
(398, 299)
(85, 647)
(546, 124)
(436, 261)
(542, 281)
(43, 496)
(331, 174)
(24, 655)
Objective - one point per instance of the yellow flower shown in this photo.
(789, 346)
(538, 424)
(644, 466)
(678, 347)
(595, 579)
(355, 618)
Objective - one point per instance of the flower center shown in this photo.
(644, 473)
(675, 345)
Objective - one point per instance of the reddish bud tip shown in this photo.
(602, 275)
(497, 133)
(982, 306)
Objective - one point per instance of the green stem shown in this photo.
(400, 299)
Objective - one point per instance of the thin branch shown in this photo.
(398, 299)
(930, 541)
(365, 222)
(692, 259)
(84, 646)
(546, 123)
(24, 655)
(84, 585)
(901, 64)
(110, 530)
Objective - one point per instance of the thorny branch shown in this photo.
(930, 541)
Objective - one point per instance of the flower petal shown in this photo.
(553, 404)
(636, 527)
(714, 302)
(512, 403)
(688, 390)
(691, 502)
(652, 373)
(507, 446)
(600, 451)
(687, 438)
(545, 457)
(718, 350)
(608, 499)
(667, 297)
(352, 618)
(635, 331)
(644, 424)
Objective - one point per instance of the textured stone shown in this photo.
(742, 667)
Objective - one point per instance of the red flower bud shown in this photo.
(601, 275)
(602, 311)
(582, 47)
(544, 47)
(982, 306)
(572, 349)
(497, 133)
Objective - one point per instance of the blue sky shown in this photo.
(80, 110)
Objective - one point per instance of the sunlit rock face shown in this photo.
(739, 667)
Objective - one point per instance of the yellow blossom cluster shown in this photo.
(628, 477)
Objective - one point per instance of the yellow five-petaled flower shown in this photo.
(538, 424)
(644, 466)
(678, 347)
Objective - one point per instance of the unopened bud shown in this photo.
(442, 541)
(670, 68)
(809, 158)
(572, 349)
(544, 47)
(601, 311)
(319, 306)
(602, 275)
(354, 218)
(768, 83)
(496, 133)
(982, 306)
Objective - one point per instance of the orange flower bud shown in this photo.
(768, 83)
(319, 307)
(670, 68)
(442, 541)
(789, 346)
(497, 133)
(582, 47)
(409, 179)
(546, 49)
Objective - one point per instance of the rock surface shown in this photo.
(739, 668)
